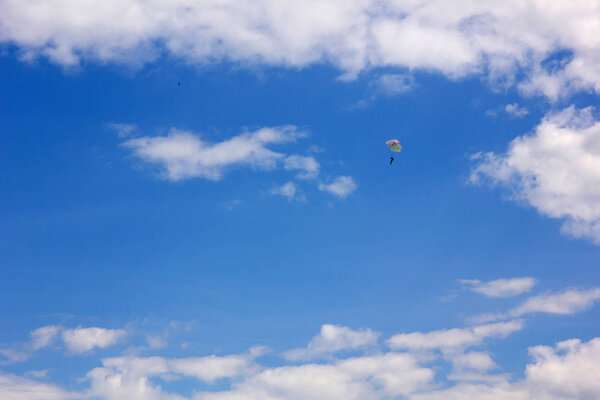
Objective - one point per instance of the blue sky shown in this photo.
(243, 236)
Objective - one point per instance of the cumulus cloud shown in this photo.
(500, 287)
(555, 169)
(182, 155)
(333, 338)
(341, 186)
(81, 340)
(453, 339)
(373, 377)
(129, 377)
(487, 37)
(78, 340)
(568, 370)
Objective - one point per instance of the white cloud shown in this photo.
(394, 84)
(389, 85)
(453, 339)
(475, 360)
(500, 287)
(569, 370)
(341, 187)
(124, 130)
(569, 301)
(487, 37)
(289, 190)
(211, 368)
(374, 377)
(11, 355)
(182, 155)
(566, 302)
(44, 336)
(16, 388)
(129, 377)
(515, 110)
(333, 338)
(40, 374)
(556, 169)
(308, 166)
(81, 340)
(40, 338)
(231, 204)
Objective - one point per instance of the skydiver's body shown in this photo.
(391, 160)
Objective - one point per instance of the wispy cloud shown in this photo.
(124, 130)
(18, 388)
(452, 339)
(44, 336)
(307, 165)
(13, 355)
(288, 190)
(566, 302)
(515, 110)
(341, 186)
(569, 301)
(386, 85)
(500, 287)
(393, 84)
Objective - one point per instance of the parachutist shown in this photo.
(395, 147)
(178, 83)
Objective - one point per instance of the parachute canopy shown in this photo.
(394, 145)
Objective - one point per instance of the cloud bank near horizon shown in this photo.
(354, 364)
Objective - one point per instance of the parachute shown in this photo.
(394, 145)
